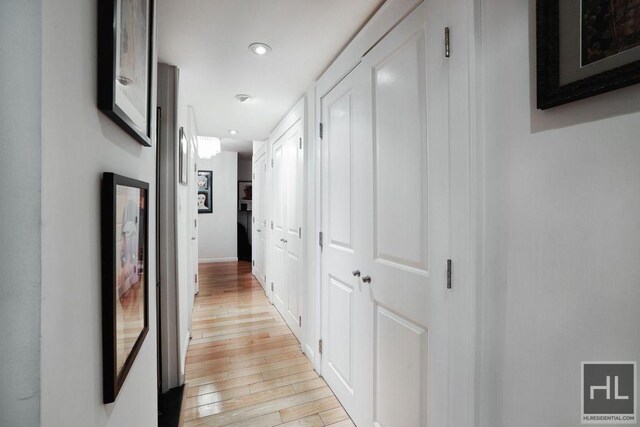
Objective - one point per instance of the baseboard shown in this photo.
(208, 260)
(308, 351)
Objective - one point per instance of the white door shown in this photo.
(346, 312)
(400, 230)
(287, 226)
(278, 225)
(260, 217)
(293, 161)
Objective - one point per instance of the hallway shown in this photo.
(244, 366)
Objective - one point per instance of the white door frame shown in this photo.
(466, 187)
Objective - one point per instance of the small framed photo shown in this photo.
(125, 283)
(245, 195)
(125, 55)
(585, 47)
(205, 191)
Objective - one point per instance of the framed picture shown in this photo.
(183, 157)
(205, 191)
(245, 196)
(585, 47)
(125, 284)
(125, 54)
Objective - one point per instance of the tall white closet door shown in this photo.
(346, 311)
(277, 275)
(260, 220)
(292, 193)
(408, 238)
(385, 168)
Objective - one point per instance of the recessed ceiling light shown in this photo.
(242, 97)
(233, 131)
(260, 49)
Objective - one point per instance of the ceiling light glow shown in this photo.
(233, 132)
(260, 49)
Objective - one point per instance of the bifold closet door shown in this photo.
(387, 329)
(259, 212)
(346, 307)
(287, 246)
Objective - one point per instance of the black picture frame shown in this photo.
(206, 191)
(550, 93)
(244, 204)
(113, 378)
(107, 73)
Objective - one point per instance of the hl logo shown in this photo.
(608, 392)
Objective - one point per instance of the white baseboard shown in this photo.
(308, 351)
(207, 260)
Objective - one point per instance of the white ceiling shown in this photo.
(208, 40)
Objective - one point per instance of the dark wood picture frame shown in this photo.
(207, 192)
(112, 380)
(550, 92)
(107, 73)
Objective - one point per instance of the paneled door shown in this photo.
(260, 216)
(392, 318)
(346, 306)
(293, 159)
(287, 226)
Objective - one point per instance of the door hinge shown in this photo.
(195, 278)
(272, 225)
(253, 262)
(320, 346)
(271, 162)
(195, 223)
(321, 130)
(449, 274)
(300, 321)
(253, 219)
(300, 233)
(301, 143)
(447, 43)
(271, 286)
(320, 240)
(254, 176)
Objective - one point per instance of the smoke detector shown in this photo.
(242, 97)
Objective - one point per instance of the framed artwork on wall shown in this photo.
(205, 191)
(245, 196)
(125, 283)
(125, 55)
(585, 47)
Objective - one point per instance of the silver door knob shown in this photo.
(356, 273)
(285, 240)
(282, 240)
(366, 279)
(258, 230)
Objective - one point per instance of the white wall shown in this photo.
(218, 233)
(79, 143)
(20, 180)
(562, 233)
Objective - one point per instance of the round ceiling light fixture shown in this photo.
(260, 49)
(243, 97)
(233, 131)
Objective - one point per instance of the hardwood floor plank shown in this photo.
(244, 367)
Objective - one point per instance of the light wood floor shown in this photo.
(244, 365)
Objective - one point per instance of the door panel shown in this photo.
(287, 226)
(259, 212)
(409, 152)
(277, 276)
(385, 199)
(346, 313)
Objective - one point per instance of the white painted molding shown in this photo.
(215, 260)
